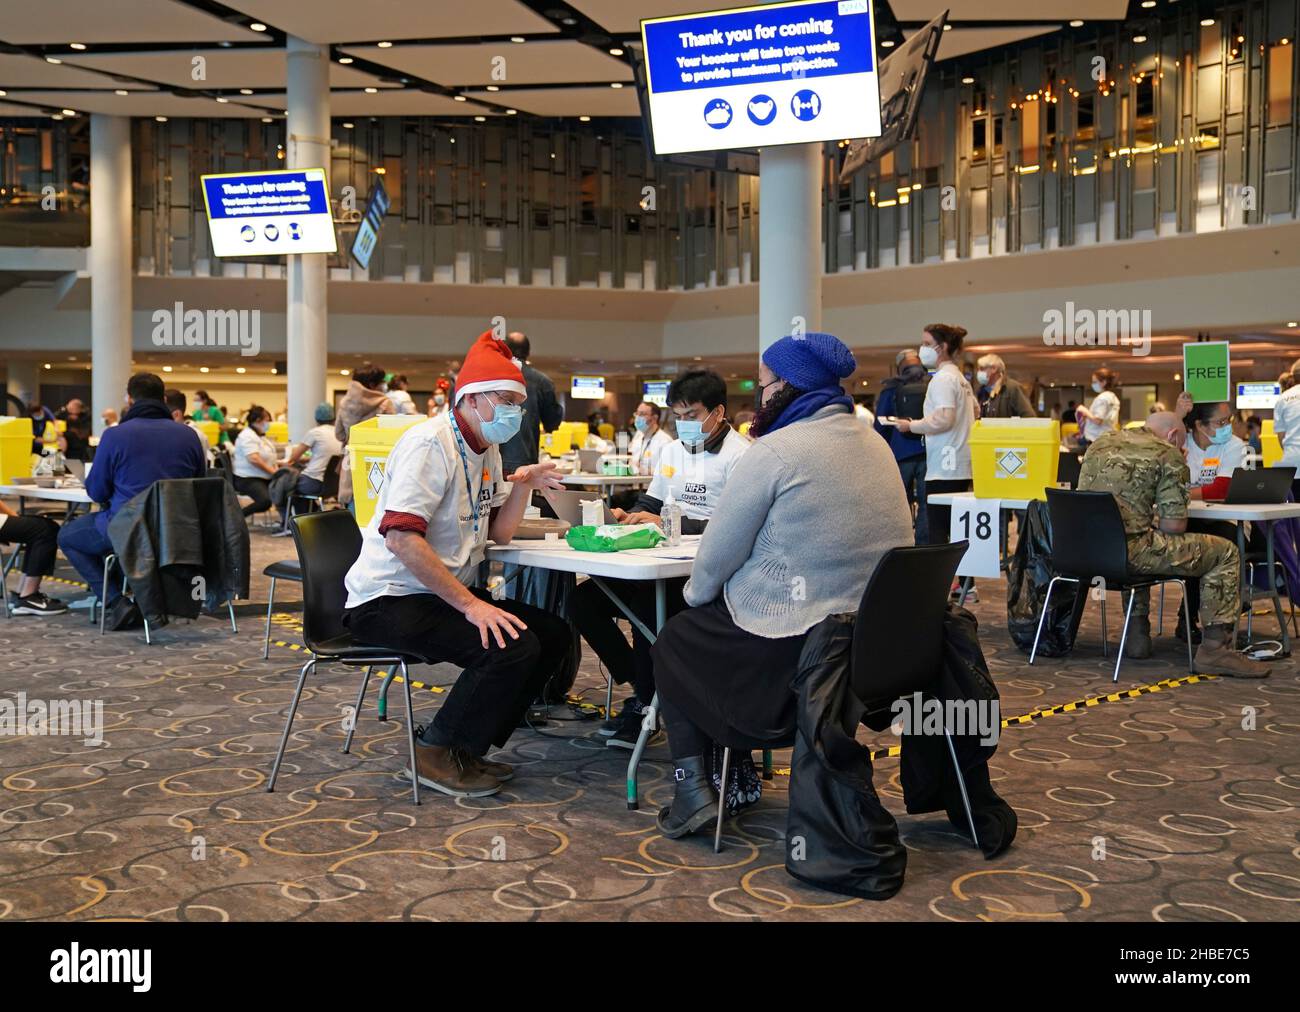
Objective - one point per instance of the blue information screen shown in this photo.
(269, 213)
(777, 74)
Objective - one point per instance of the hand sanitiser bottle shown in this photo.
(671, 516)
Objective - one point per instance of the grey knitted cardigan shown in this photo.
(801, 525)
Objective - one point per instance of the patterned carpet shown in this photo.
(1178, 803)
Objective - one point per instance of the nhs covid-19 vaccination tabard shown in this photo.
(269, 213)
(752, 77)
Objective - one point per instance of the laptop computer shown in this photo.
(1264, 486)
(568, 506)
(76, 468)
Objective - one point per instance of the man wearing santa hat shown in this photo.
(443, 496)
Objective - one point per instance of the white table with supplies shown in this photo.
(1197, 509)
(606, 482)
(73, 495)
(658, 564)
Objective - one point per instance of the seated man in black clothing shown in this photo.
(692, 470)
(41, 536)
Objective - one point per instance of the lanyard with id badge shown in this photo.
(469, 485)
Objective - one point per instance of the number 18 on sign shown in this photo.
(977, 521)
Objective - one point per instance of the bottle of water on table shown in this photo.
(671, 518)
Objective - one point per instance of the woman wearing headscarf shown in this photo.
(809, 511)
(364, 399)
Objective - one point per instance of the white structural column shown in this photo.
(308, 147)
(110, 262)
(789, 240)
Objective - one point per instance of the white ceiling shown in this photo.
(389, 102)
(531, 63)
(33, 72)
(1007, 10)
(137, 103)
(624, 16)
(567, 101)
(60, 21)
(224, 68)
(349, 21)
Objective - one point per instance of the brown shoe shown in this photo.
(502, 771)
(1215, 657)
(452, 771)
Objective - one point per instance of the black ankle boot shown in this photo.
(695, 802)
(995, 820)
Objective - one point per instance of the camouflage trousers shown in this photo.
(1214, 560)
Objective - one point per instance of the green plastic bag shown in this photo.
(585, 539)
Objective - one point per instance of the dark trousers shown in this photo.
(720, 683)
(259, 489)
(940, 517)
(40, 535)
(86, 547)
(493, 691)
(596, 617)
(308, 486)
(912, 471)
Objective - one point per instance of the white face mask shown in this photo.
(982, 377)
(929, 355)
(1096, 387)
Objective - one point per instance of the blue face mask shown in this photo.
(640, 423)
(506, 419)
(1221, 435)
(690, 432)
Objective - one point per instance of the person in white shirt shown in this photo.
(175, 400)
(950, 410)
(437, 404)
(1102, 415)
(443, 497)
(648, 440)
(402, 402)
(322, 445)
(692, 470)
(255, 461)
(1286, 423)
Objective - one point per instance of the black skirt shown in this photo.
(732, 685)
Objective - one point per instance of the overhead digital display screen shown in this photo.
(269, 213)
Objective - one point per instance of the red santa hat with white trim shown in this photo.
(489, 365)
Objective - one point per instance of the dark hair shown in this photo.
(699, 386)
(256, 413)
(175, 399)
(369, 376)
(202, 395)
(947, 334)
(144, 386)
(1109, 378)
(771, 411)
(398, 382)
(1254, 420)
(654, 409)
(1201, 412)
(519, 346)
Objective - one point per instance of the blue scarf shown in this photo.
(808, 404)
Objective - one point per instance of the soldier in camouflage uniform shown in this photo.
(1145, 471)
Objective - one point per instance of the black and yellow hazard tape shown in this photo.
(67, 583)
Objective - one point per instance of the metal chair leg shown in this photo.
(356, 711)
(722, 800)
(1160, 620)
(103, 593)
(410, 732)
(1187, 624)
(961, 785)
(1123, 635)
(1105, 637)
(1047, 599)
(148, 641)
(767, 764)
(230, 606)
(382, 705)
(288, 724)
(266, 644)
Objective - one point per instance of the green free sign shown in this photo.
(1206, 373)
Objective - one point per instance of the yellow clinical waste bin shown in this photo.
(1015, 458)
(277, 432)
(15, 448)
(369, 444)
(1269, 443)
(210, 429)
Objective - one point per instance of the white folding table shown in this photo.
(658, 564)
(606, 482)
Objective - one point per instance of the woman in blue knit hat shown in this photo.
(807, 514)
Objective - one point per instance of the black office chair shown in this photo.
(316, 503)
(1089, 545)
(328, 543)
(908, 590)
(20, 550)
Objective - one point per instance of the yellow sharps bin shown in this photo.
(1269, 443)
(15, 448)
(210, 429)
(369, 444)
(1015, 458)
(278, 432)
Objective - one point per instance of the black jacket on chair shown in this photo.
(849, 841)
(174, 531)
